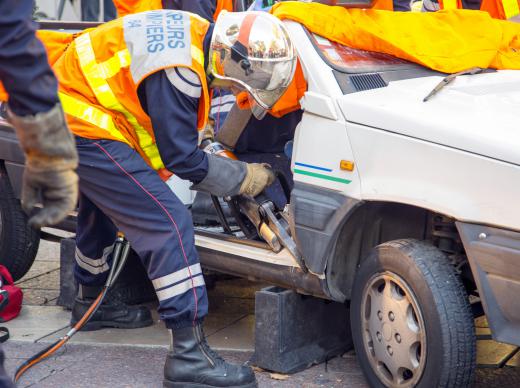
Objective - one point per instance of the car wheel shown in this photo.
(411, 319)
(18, 241)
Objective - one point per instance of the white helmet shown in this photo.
(252, 51)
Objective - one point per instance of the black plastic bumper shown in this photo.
(494, 256)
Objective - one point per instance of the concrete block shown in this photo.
(293, 332)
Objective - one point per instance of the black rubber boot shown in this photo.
(193, 364)
(111, 313)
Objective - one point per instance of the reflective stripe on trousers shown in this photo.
(118, 188)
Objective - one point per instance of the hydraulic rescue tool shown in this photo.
(257, 216)
(120, 254)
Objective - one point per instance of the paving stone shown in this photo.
(39, 268)
(46, 281)
(482, 331)
(238, 336)
(224, 305)
(481, 322)
(490, 353)
(237, 288)
(48, 251)
(515, 361)
(35, 322)
(37, 297)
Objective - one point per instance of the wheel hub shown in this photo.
(393, 328)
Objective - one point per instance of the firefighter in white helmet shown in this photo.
(135, 90)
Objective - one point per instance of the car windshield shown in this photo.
(349, 60)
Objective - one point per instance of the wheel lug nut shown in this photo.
(398, 338)
(391, 316)
(379, 336)
(380, 315)
(390, 350)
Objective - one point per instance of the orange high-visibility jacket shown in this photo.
(385, 5)
(501, 9)
(498, 9)
(450, 4)
(55, 43)
(101, 69)
(126, 7)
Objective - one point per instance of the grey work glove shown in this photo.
(51, 158)
(228, 177)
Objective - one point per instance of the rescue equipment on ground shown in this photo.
(464, 38)
(119, 256)
(11, 296)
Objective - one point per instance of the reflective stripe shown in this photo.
(197, 55)
(86, 112)
(180, 288)
(94, 266)
(510, 8)
(449, 4)
(189, 75)
(221, 100)
(182, 85)
(97, 75)
(112, 66)
(177, 276)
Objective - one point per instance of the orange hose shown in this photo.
(64, 340)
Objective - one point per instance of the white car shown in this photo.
(404, 207)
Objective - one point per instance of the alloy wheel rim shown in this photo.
(393, 330)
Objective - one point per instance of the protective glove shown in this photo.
(51, 158)
(228, 177)
(258, 177)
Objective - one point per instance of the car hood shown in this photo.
(475, 113)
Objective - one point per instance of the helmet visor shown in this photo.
(253, 51)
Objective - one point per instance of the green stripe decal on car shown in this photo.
(321, 176)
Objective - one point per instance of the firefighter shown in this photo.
(35, 112)
(134, 91)
(208, 9)
(497, 9)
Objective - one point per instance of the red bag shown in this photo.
(10, 296)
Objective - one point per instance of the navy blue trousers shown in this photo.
(90, 10)
(119, 191)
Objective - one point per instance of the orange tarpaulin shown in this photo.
(448, 41)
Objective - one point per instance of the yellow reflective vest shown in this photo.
(101, 69)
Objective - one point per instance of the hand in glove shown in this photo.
(228, 177)
(51, 159)
(258, 177)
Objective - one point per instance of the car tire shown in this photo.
(18, 241)
(411, 318)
